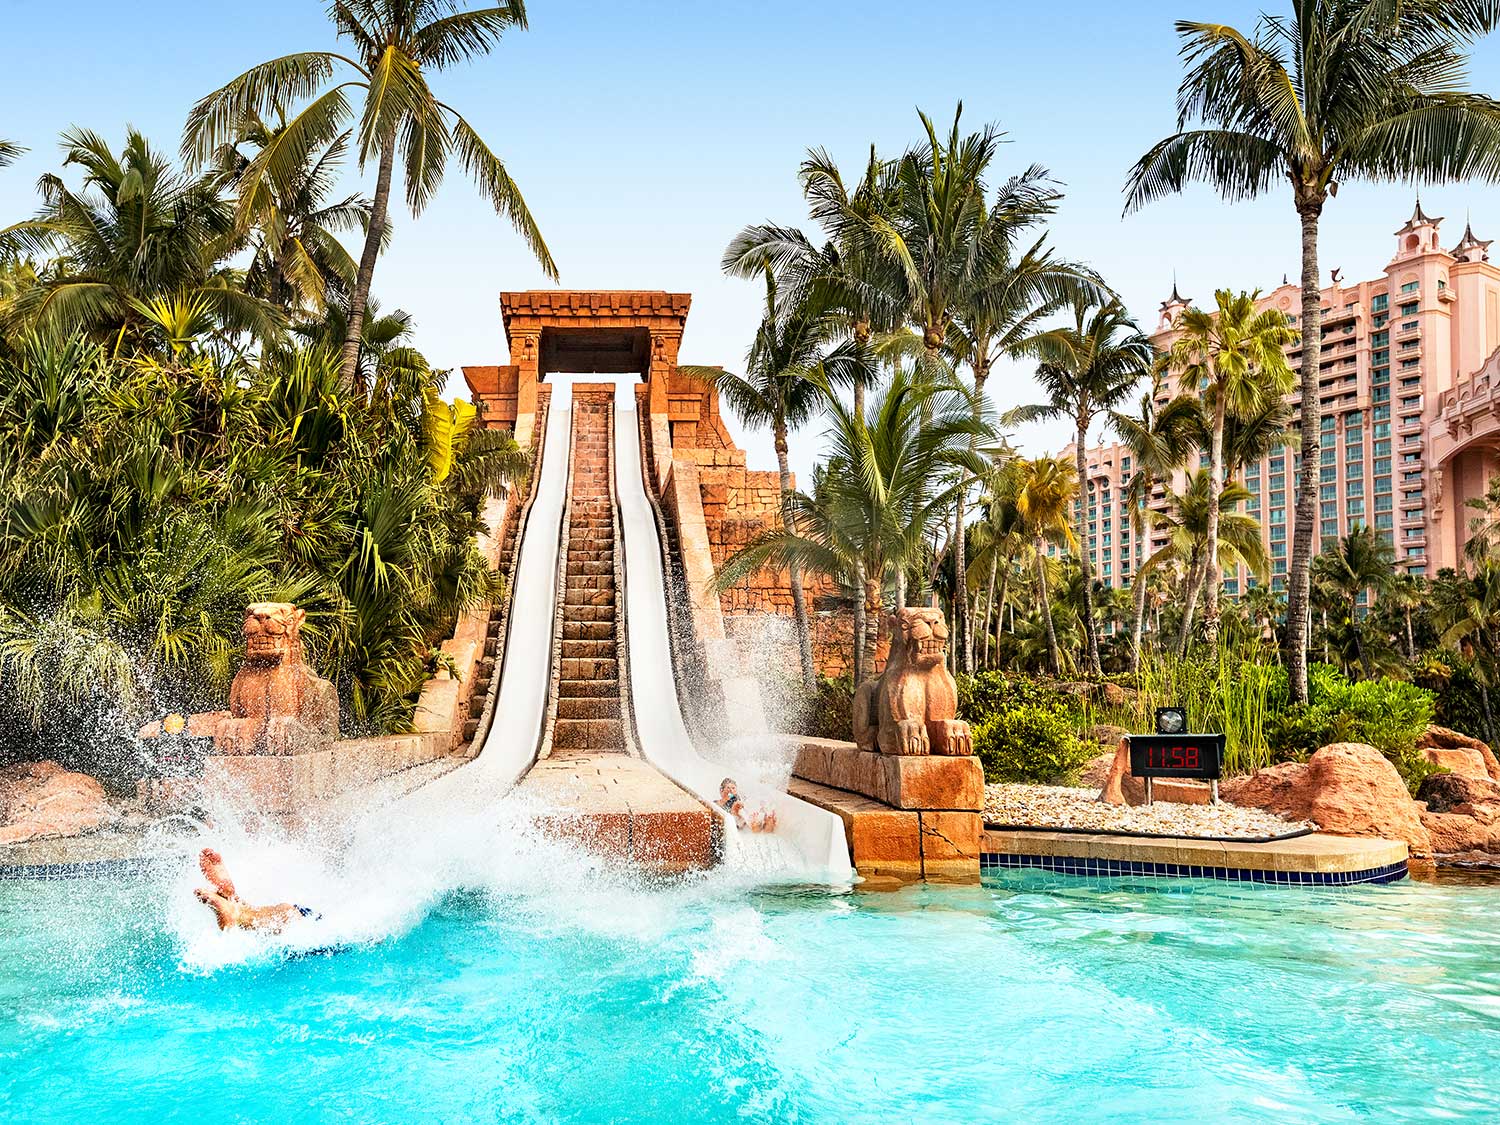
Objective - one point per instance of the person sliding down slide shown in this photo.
(232, 911)
(760, 820)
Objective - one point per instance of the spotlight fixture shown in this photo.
(1171, 720)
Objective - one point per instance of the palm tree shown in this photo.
(299, 262)
(1159, 440)
(1337, 90)
(1359, 562)
(397, 43)
(10, 152)
(138, 230)
(1405, 593)
(782, 389)
(888, 476)
(849, 275)
(1234, 358)
(1087, 369)
(1045, 491)
(1265, 607)
(1186, 519)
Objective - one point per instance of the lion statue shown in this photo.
(277, 704)
(911, 708)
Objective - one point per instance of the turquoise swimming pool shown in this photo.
(1031, 998)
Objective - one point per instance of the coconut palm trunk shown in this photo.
(1004, 595)
(989, 608)
(789, 525)
(1090, 637)
(858, 667)
(1197, 569)
(1299, 579)
(1138, 622)
(1215, 489)
(379, 210)
(1046, 604)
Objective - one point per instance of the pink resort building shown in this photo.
(1410, 391)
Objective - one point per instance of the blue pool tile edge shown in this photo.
(83, 869)
(1116, 868)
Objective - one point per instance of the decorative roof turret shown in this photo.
(1172, 306)
(1419, 235)
(1471, 249)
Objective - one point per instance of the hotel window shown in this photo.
(1381, 356)
(1326, 457)
(1382, 430)
(1410, 419)
(1107, 542)
(1416, 552)
(1329, 509)
(1413, 533)
(1330, 473)
(1278, 464)
(1410, 326)
(1327, 423)
(1279, 584)
(1383, 448)
(1328, 492)
(1407, 478)
(1106, 570)
(1278, 533)
(1410, 458)
(1278, 515)
(1253, 484)
(1383, 502)
(1413, 497)
(1411, 402)
(1278, 480)
(1383, 465)
(1408, 308)
(1278, 497)
(1410, 345)
(1330, 528)
(1381, 394)
(1353, 418)
(1354, 487)
(1355, 508)
(1411, 382)
(1354, 435)
(1383, 520)
(1381, 319)
(1382, 484)
(1386, 537)
(1381, 301)
(1382, 374)
(1419, 571)
(1411, 287)
(1382, 413)
(1380, 339)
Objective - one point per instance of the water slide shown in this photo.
(809, 841)
(520, 708)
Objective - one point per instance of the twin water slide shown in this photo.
(809, 842)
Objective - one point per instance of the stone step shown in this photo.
(590, 582)
(491, 645)
(585, 707)
(589, 597)
(590, 668)
(471, 727)
(588, 734)
(588, 689)
(588, 630)
(576, 650)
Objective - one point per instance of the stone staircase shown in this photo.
(595, 787)
(588, 697)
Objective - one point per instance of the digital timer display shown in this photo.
(1197, 756)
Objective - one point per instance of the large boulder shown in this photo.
(41, 799)
(1459, 753)
(1346, 789)
(1463, 813)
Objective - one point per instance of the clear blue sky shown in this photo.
(645, 134)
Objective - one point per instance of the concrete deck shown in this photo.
(626, 809)
(1315, 859)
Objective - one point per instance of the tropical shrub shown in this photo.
(1032, 743)
(1387, 714)
(1458, 701)
(987, 693)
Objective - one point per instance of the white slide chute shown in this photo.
(809, 842)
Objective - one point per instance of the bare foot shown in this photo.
(215, 871)
(226, 910)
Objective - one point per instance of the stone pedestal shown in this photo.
(905, 818)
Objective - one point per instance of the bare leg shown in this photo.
(226, 910)
(216, 872)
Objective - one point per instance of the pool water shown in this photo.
(1032, 998)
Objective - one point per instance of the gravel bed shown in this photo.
(1053, 806)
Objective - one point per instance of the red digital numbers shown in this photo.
(1173, 758)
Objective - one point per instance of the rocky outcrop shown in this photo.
(1463, 813)
(1346, 789)
(39, 800)
(1459, 753)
